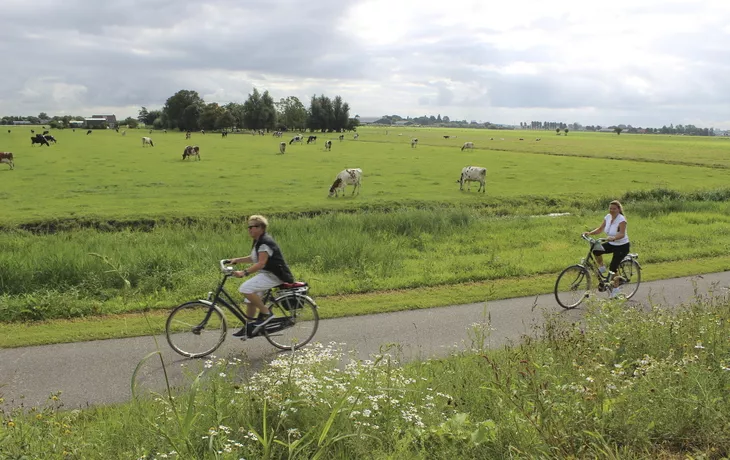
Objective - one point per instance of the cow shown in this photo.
(414, 143)
(328, 145)
(147, 141)
(522, 138)
(7, 158)
(473, 174)
(355, 136)
(467, 145)
(191, 151)
(295, 139)
(8, 131)
(224, 133)
(32, 131)
(341, 138)
(39, 139)
(124, 133)
(537, 139)
(187, 135)
(164, 131)
(312, 140)
(88, 132)
(46, 132)
(50, 138)
(344, 178)
(282, 147)
(491, 138)
(446, 137)
(202, 131)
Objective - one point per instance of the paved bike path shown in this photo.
(99, 372)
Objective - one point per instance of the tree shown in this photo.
(142, 115)
(43, 116)
(566, 131)
(225, 120)
(291, 114)
(130, 122)
(209, 116)
(177, 111)
(237, 112)
(557, 130)
(446, 119)
(617, 130)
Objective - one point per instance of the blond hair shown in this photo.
(261, 220)
(620, 207)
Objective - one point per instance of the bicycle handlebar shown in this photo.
(594, 240)
(226, 270)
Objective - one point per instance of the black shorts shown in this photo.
(619, 252)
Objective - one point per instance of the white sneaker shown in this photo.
(614, 293)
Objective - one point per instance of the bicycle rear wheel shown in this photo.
(196, 329)
(629, 273)
(295, 323)
(572, 286)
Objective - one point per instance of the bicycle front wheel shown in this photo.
(572, 286)
(295, 323)
(629, 273)
(196, 329)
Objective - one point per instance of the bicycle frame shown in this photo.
(591, 263)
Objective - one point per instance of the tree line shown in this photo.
(187, 111)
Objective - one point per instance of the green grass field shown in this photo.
(162, 223)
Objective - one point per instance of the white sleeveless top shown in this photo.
(612, 229)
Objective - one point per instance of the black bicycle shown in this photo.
(574, 284)
(196, 329)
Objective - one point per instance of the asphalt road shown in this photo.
(99, 372)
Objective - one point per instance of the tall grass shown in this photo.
(624, 383)
(87, 272)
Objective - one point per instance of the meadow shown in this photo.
(99, 225)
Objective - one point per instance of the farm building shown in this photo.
(99, 120)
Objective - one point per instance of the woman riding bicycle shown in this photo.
(271, 270)
(614, 224)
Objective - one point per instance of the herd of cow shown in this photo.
(350, 176)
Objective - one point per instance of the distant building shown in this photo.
(76, 123)
(21, 122)
(99, 120)
(368, 120)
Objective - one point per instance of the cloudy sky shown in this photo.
(639, 62)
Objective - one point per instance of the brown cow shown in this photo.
(190, 151)
(7, 157)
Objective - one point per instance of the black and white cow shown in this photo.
(39, 139)
(342, 137)
(191, 151)
(473, 174)
(344, 178)
(467, 145)
(328, 145)
(355, 136)
(295, 139)
(88, 132)
(187, 135)
(414, 143)
(7, 158)
(147, 141)
(50, 138)
(312, 140)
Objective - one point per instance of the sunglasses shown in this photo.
(254, 226)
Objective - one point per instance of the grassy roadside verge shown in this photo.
(132, 325)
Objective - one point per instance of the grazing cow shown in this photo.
(187, 135)
(341, 138)
(191, 151)
(147, 141)
(446, 137)
(50, 138)
(7, 158)
(312, 140)
(356, 136)
(164, 131)
(473, 174)
(344, 178)
(295, 139)
(328, 145)
(8, 131)
(414, 143)
(88, 132)
(467, 145)
(124, 133)
(45, 132)
(537, 139)
(282, 147)
(32, 131)
(39, 139)
(202, 131)
(150, 131)
(224, 133)
(522, 138)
